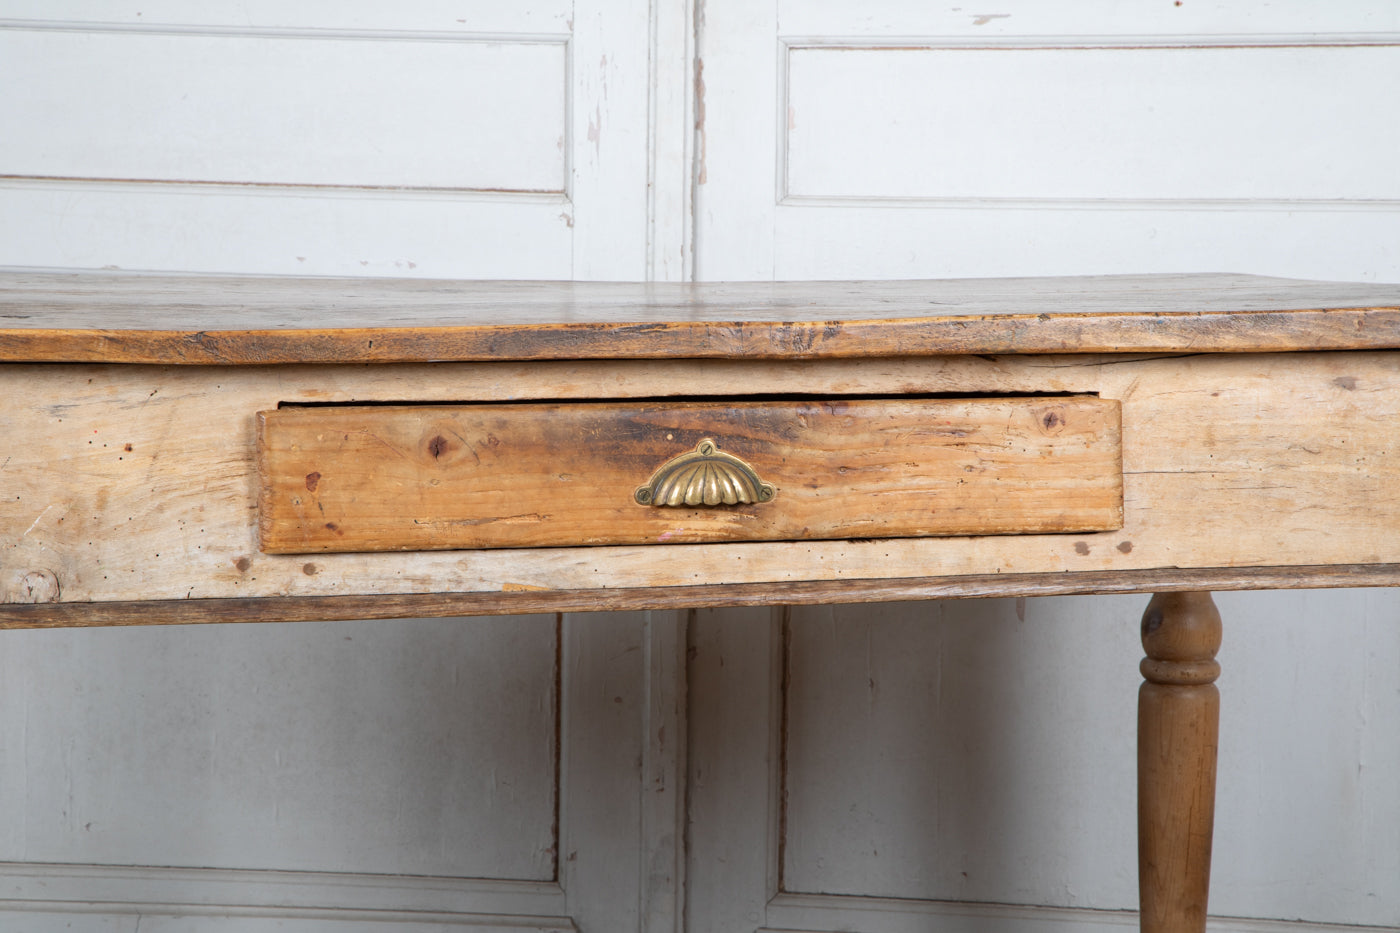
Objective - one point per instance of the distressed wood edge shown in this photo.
(1370, 328)
(260, 469)
(433, 605)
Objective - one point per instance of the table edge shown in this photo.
(429, 605)
(1196, 332)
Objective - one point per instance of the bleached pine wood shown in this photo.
(515, 601)
(347, 479)
(1307, 437)
(211, 320)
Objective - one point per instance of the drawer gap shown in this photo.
(776, 398)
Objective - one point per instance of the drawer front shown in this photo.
(380, 478)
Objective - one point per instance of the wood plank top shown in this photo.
(243, 320)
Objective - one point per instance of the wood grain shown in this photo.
(346, 479)
(254, 320)
(1305, 441)
(812, 592)
(1178, 731)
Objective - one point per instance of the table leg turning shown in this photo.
(1178, 728)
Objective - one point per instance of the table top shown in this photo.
(249, 320)
(135, 483)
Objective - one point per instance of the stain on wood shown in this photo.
(525, 599)
(474, 476)
(257, 320)
(1205, 437)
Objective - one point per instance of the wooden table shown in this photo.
(184, 449)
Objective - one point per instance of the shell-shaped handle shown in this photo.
(705, 476)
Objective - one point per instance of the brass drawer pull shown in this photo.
(704, 476)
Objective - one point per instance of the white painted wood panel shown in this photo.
(463, 16)
(125, 889)
(420, 748)
(1016, 766)
(1356, 243)
(469, 140)
(803, 913)
(867, 198)
(1309, 757)
(1030, 794)
(175, 919)
(944, 751)
(285, 232)
(736, 139)
(1022, 18)
(406, 779)
(315, 108)
(610, 169)
(953, 751)
(734, 677)
(620, 771)
(1088, 122)
(356, 723)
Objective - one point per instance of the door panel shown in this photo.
(485, 774)
(333, 747)
(906, 141)
(446, 140)
(478, 775)
(967, 766)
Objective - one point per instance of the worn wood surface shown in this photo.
(813, 592)
(1178, 731)
(345, 479)
(254, 320)
(1306, 440)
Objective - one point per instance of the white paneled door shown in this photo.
(472, 775)
(444, 139)
(969, 767)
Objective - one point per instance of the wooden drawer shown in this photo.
(374, 478)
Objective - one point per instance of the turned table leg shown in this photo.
(1178, 727)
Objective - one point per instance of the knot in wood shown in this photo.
(39, 586)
